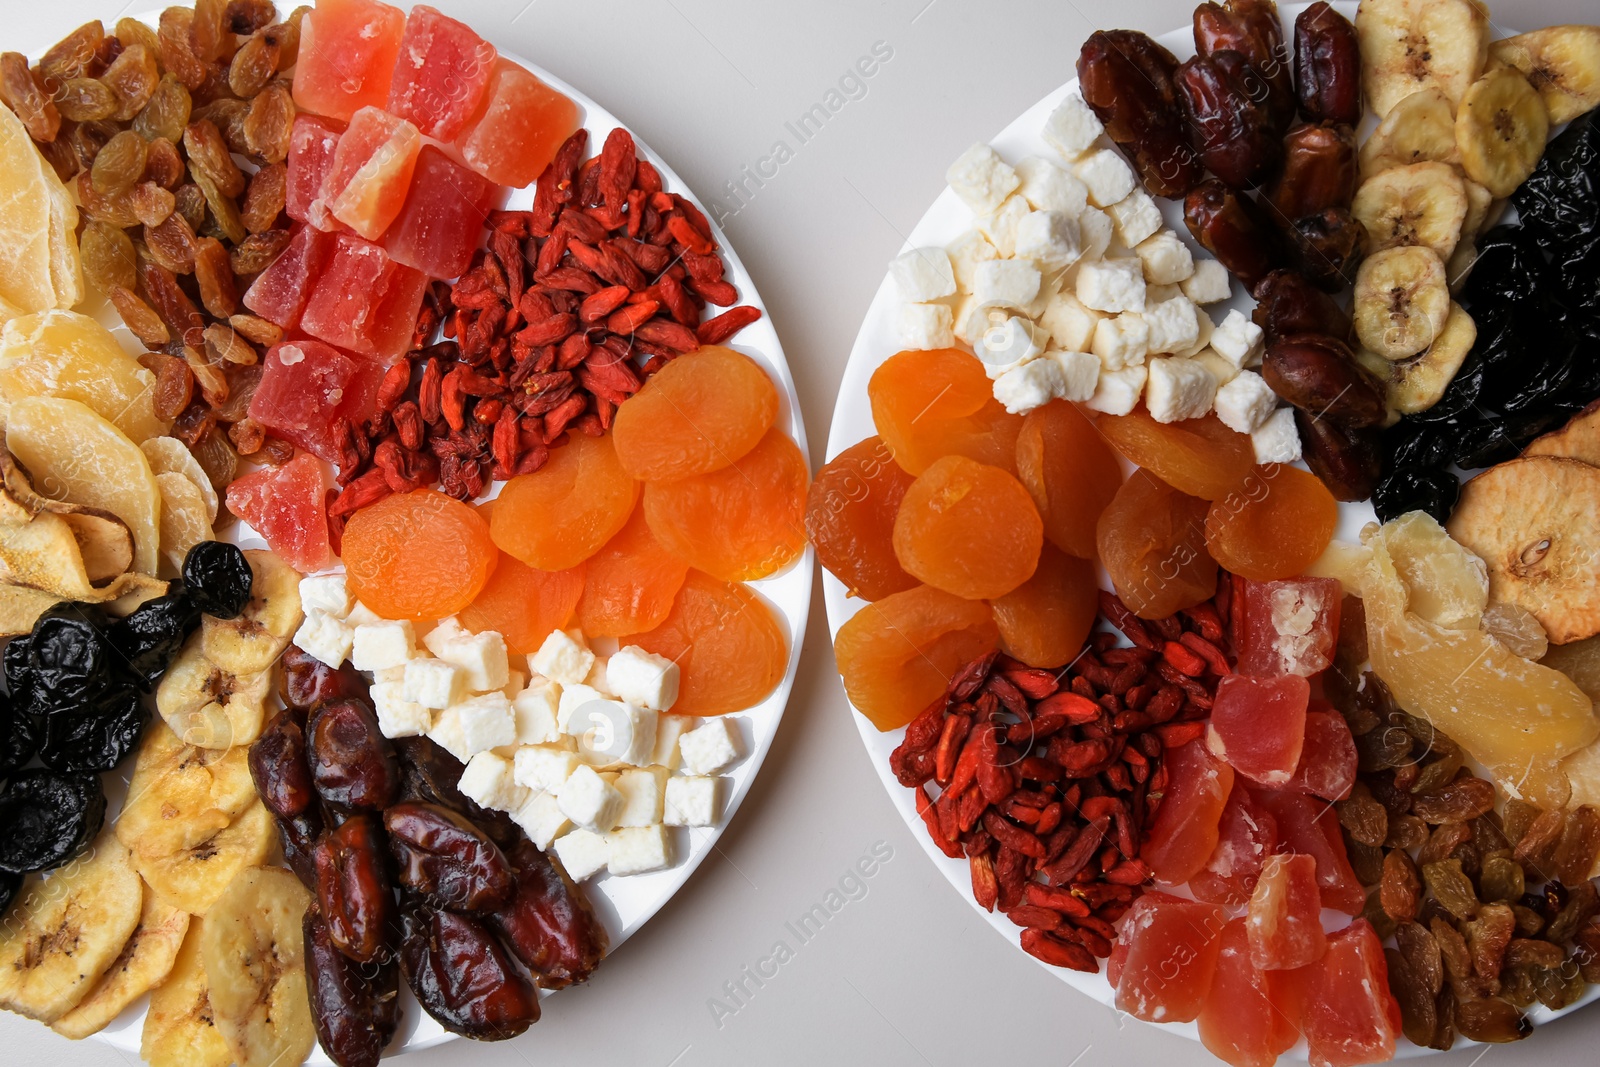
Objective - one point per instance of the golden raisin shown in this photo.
(171, 244)
(253, 65)
(85, 100)
(264, 199)
(209, 158)
(22, 93)
(71, 56)
(119, 164)
(214, 275)
(162, 163)
(167, 113)
(133, 77)
(139, 317)
(151, 204)
(269, 122)
(109, 259)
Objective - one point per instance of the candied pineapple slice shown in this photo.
(1516, 717)
(39, 265)
(1447, 585)
(71, 356)
(73, 454)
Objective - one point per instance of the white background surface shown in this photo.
(904, 973)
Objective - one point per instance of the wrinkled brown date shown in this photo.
(352, 763)
(1233, 228)
(1327, 247)
(354, 893)
(463, 977)
(1319, 171)
(1251, 28)
(1349, 462)
(279, 767)
(1230, 129)
(444, 856)
(1327, 66)
(1319, 374)
(1287, 303)
(430, 774)
(299, 840)
(307, 681)
(1126, 78)
(355, 1007)
(549, 925)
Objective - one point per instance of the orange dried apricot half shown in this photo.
(1152, 543)
(727, 644)
(850, 518)
(1044, 621)
(1274, 525)
(969, 529)
(630, 584)
(940, 403)
(560, 515)
(418, 555)
(897, 655)
(523, 604)
(1070, 471)
(699, 413)
(1200, 457)
(739, 523)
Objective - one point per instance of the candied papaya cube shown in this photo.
(518, 127)
(303, 386)
(1184, 833)
(365, 186)
(347, 56)
(286, 506)
(1288, 627)
(365, 301)
(1350, 1015)
(1311, 826)
(1258, 725)
(1251, 1016)
(1328, 758)
(442, 221)
(1285, 917)
(441, 73)
(311, 146)
(1171, 957)
(1246, 835)
(279, 293)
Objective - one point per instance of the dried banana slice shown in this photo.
(1420, 204)
(1419, 129)
(209, 706)
(254, 640)
(253, 948)
(1402, 300)
(193, 878)
(1408, 45)
(145, 962)
(1480, 207)
(181, 795)
(1578, 439)
(1501, 128)
(1416, 384)
(1561, 62)
(178, 1028)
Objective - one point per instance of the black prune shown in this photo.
(19, 738)
(463, 977)
(1560, 201)
(9, 884)
(218, 577)
(47, 818)
(1432, 490)
(94, 737)
(69, 657)
(353, 765)
(19, 682)
(355, 1007)
(150, 636)
(549, 925)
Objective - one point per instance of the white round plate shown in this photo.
(877, 340)
(623, 904)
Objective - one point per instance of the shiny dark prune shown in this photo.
(19, 737)
(463, 976)
(1327, 247)
(1434, 491)
(354, 892)
(19, 680)
(353, 765)
(1349, 462)
(9, 884)
(1319, 374)
(1232, 227)
(1126, 79)
(281, 769)
(549, 925)
(307, 681)
(1287, 303)
(94, 737)
(69, 657)
(444, 857)
(354, 1007)
(1509, 267)
(47, 818)
(149, 637)
(1251, 28)
(1560, 200)
(218, 578)
(433, 776)
(1327, 66)
(1319, 171)
(1227, 125)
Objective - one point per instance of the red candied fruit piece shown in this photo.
(1350, 1015)
(1311, 826)
(312, 143)
(285, 506)
(1285, 917)
(1251, 1016)
(1171, 956)
(438, 228)
(1328, 758)
(366, 183)
(1287, 627)
(304, 385)
(1246, 835)
(1184, 834)
(279, 293)
(365, 301)
(1259, 724)
(347, 56)
(518, 128)
(441, 73)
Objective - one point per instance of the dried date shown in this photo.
(1127, 79)
(1287, 303)
(1319, 374)
(549, 924)
(1232, 227)
(281, 772)
(1228, 125)
(1251, 28)
(1319, 171)
(1327, 66)
(432, 775)
(352, 763)
(463, 977)
(1349, 462)
(443, 856)
(355, 1008)
(354, 893)
(1327, 247)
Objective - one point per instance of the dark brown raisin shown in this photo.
(1491, 1020)
(174, 384)
(139, 317)
(1401, 888)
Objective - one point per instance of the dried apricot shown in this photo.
(1274, 525)
(897, 656)
(739, 523)
(1152, 543)
(1200, 457)
(850, 518)
(969, 529)
(1070, 471)
(699, 413)
(631, 583)
(560, 515)
(940, 403)
(418, 555)
(727, 644)
(523, 604)
(1044, 621)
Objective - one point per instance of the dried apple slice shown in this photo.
(67, 355)
(75, 455)
(1579, 439)
(1536, 523)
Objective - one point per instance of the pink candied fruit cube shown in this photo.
(1328, 758)
(1184, 833)
(347, 55)
(441, 73)
(365, 186)
(1285, 917)
(287, 506)
(365, 302)
(1311, 826)
(1246, 835)
(1288, 627)
(1350, 1015)
(279, 293)
(311, 146)
(1170, 958)
(304, 387)
(1251, 1016)
(520, 125)
(1258, 725)
(443, 218)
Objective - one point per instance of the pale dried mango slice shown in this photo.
(1579, 439)
(68, 355)
(26, 211)
(183, 519)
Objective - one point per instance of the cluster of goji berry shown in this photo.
(562, 316)
(1047, 781)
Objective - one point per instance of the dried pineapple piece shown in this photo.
(39, 264)
(1448, 585)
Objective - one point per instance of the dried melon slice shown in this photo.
(168, 455)
(1517, 718)
(39, 264)
(1579, 439)
(75, 455)
(1536, 523)
(67, 355)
